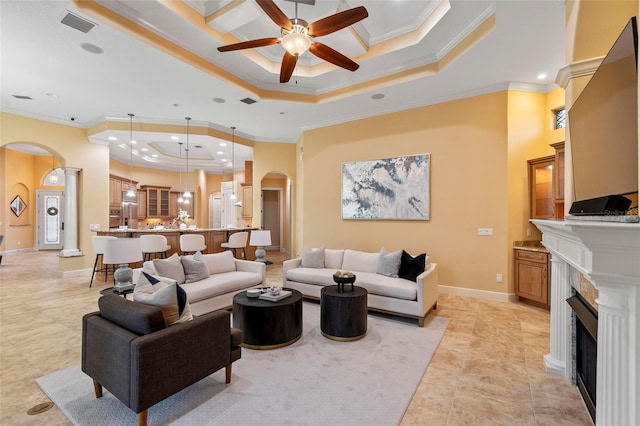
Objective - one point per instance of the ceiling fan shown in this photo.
(298, 36)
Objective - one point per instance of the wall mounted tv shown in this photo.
(603, 124)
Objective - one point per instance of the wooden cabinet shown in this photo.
(532, 276)
(541, 191)
(157, 201)
(117, 185)
(142, 204)
(174, 206)
(558, 179)
(247, 201)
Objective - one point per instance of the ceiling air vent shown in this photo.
(23, 97)
(80, 24)
(248, 101)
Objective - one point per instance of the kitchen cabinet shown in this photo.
(532, 276)
(142, 204)
(558, 179)
(541, 189)
(247, 201)
(174, 206)
(117, 185)
(157, 201)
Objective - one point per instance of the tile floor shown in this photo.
(488, 368)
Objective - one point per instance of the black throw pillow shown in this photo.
(411, 267)
(182, 295)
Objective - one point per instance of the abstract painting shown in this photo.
(389, 188)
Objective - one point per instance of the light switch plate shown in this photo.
(485, 231)
(94, 226)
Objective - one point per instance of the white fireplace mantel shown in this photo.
(608, 253)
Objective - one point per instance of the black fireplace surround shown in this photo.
(586, 332)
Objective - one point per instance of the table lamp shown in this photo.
(260, 239)
(123, 251)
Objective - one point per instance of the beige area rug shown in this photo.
(315, 381)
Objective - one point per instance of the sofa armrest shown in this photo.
(287, 265)
(427, 287)
(171, 359)
(251, 266)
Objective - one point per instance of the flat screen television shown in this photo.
(603, 125)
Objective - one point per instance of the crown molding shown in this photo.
(577, 69)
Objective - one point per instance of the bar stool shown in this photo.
(154, 245)
(191, 243)
(99, 247)
(237, 240)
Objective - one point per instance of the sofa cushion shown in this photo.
(151, 291)
(170, 268)
(221, 283)
(360, 261)
(194, 270)
(381, 285)
(411, 267)
(220, 262)
(333, 258)
(389, 263)
(313, 257)
(317, 276)
(135, 317)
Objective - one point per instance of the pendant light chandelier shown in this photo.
(180, 199)
(53, 175)
(187, 194)
(131, 194)
(233, 161)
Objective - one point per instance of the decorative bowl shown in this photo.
(274, 291)
(253, 292)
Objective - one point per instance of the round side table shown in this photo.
(343, 313)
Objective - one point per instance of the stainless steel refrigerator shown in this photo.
(129, 212)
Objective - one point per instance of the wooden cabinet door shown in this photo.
(247, 201)
(541, 190)
(164, 203)
(115, 192)
(142, 204)
(531, 276)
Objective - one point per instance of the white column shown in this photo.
(558, 360)
(616, 397)
(70, 243)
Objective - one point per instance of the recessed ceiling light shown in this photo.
(144, 149)
(219, 152)
(92, 48)
(223, 144)
(175, 138)
(377, 96)
(224, 160)
(133, 142)
(113, 138)
(154, 155)
(219, 100)
(542, 76)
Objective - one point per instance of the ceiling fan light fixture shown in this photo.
(296, 41)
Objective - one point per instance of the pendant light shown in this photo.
(180, 199)
(131, 194)
(233, 161)
(187, 194)
(53, 175)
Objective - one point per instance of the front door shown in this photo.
(49, 218)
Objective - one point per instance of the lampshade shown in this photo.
(123, 250)
(296, 43)
(260, 238)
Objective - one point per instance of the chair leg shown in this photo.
(97, 387)
(142, 418)
(228, 373)
(94, 270)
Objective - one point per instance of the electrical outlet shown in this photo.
(528, 232)
(94, 227)
(499, 278)
(485, 231)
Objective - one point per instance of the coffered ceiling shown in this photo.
(89, 63)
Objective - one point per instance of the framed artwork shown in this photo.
(390, 188)
(18, 206)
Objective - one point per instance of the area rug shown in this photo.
(315, 381)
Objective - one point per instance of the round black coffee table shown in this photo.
(343, 313)
(266, 324)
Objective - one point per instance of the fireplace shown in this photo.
(585, 327)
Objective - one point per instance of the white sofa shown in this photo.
(227, 276)
(385, 293)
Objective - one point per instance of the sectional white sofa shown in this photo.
(412, 299)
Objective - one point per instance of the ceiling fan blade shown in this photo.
(337, 21)
(275, 14)
(323, 51)
(249, 44)
(288, 65)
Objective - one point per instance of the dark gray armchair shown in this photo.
(128, 349)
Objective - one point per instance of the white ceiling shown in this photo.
(409, 51)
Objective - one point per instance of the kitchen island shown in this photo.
(213, 237)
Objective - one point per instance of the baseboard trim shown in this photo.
(480, 294)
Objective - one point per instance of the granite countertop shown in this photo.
(530, 246)
(128, 230)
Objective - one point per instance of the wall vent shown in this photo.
(23, 97)
(75, 21)
(248, 101)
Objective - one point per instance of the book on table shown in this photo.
(275, 297)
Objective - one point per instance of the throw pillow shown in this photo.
(165, 297)
(333, 258)
(198, 256)
(313, 257)
(360, 261)
(411, 267)
(220, 262)
(389, 263)
(194, 270)
(148, 285)
(170, 268)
